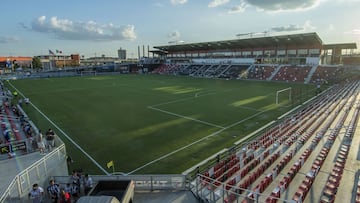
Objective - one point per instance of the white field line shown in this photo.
(59, 129)
(186, 117)
(249, 108)
(186, 98)
(193, 143)
(173, 101)
(204, 93)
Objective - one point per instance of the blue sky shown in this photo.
(96, 27)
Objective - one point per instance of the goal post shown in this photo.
(283, 96)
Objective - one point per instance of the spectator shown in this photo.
(27, 101)
(50, 139)
(75, 178)
(36, 194)
(69, 160)
(20, 102)
(75, 191)
(40, 143)
(11, 153)
(30, 144)
(65, 197)
(88, 184)
(54, 191)
(67, 188)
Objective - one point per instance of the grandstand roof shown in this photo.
(340, 46)
(310, 39)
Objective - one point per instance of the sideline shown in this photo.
(58, 128)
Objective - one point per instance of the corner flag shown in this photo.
(110, 164)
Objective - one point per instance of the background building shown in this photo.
(11, 63)
(122, 53)
(53, 61)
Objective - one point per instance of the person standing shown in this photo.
(53, 191)
(88, 183)
(36, 194)
(40, 143)
(50, 139)
(65, 197)
(75, 191)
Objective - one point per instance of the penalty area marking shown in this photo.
(193, 143)
(186, 117)
(58, 128)
(186, 98)
(204, 93)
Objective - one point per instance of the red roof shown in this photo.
(17, 58)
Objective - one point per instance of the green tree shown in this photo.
(36, 63)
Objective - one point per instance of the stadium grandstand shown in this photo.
(309, 154)
(291, 58)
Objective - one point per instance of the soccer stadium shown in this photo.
(255, 119)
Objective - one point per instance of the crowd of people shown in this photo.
(77, 185)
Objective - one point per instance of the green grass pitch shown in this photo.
(152, 123)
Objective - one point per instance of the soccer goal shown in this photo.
(283, 97)
(87, 73)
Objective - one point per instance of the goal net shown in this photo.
(87, 73)
(283, 97)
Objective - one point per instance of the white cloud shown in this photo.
(128, 32)
(174, 37)
(216, 3)
(276, 5)
(67, 29)
(348, 1)
(355, 32)
(331, 27)
(174, 34)
(292, 27)
(176, 2)
(283, 5)
(8, 39)
(239, 8)
(308, 26)
(158, 4)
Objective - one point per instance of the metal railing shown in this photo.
(22, 183)
(207, 191)
(149, 182)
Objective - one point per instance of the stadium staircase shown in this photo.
(311, 73)
(210, 71)
(222, 71)
(275, 72)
